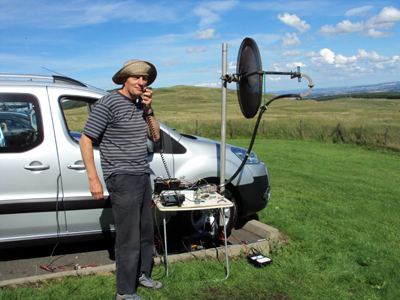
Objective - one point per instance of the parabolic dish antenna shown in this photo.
(250, 80)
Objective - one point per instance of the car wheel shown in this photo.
(210, 221)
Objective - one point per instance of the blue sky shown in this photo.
(337, 43)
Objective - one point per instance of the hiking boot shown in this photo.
(128, 297)
(150, 283)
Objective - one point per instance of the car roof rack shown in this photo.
(53, 78)
(62, 79)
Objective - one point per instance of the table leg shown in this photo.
(165, 243)
(226, 247)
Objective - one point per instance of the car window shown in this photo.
(20, 123)
(76, 113)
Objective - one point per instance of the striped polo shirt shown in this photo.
(118, 124)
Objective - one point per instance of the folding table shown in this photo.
(215, 201)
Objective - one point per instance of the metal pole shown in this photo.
(223, 117)
(165, 242)
(226, 247)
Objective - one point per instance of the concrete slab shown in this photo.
(263, 230)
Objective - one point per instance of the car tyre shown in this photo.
(204, 221)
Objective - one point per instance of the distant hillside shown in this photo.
(182, 95)
(372, 95)
(372, 88)
(187, 93)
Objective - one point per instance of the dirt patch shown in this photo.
(212, 292)
(279, 297)
(283, 238)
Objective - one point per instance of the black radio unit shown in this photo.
(163, 184)
(172, 199)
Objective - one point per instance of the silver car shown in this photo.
(44, 189)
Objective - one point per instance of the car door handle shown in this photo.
(37, 168)
(76, 167)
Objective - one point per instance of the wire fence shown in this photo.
(336, 132)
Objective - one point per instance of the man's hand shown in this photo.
(147, 97)
(96, 188)
(88, 158)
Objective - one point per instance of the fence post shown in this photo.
(361, 132)
(338, 131)
(386, 136)
(301, 128)
(230, 124)
(197, 128)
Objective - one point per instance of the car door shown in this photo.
(30, 183)
(85, 215)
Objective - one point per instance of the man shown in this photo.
(121, 122)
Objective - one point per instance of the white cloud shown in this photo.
(206, 34)
(389, 14)
(265, 39)
(211, 85)
(363, 64)
(277, 67)
(207, 17)
(290, 40)
(196, 49)
(327, 55)
(71, 14)
(294, 21)
(295, 65)
(171, 63)
(273, 79)
(232, 65)
(341, 28)
(286, 66)
(311, 54)
(372, 56)
(291, 53)
(342, 60)
(222, 6)
(209, 11)
(386, 19)
(372, 33)
(358, 10)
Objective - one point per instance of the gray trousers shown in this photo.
(134, 243)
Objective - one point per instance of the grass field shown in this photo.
(181, 107)
(337, 207)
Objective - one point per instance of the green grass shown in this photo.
(337, 207)
(283, 117)
(181, 107)
(340, 207)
